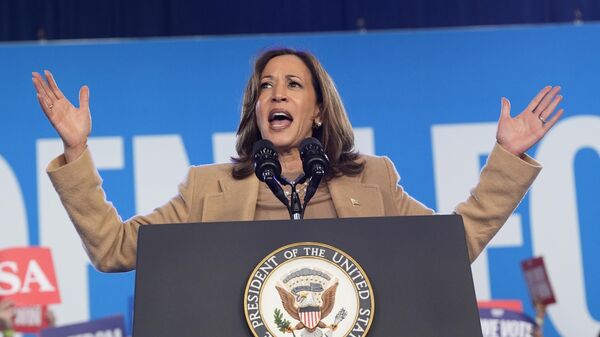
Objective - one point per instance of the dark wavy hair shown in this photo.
(335, 133)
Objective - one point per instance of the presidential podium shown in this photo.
(392, 276)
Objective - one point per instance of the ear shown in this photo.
(317, 115)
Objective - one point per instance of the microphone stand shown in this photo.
(311, 189)
(274, 186)
(295, 207)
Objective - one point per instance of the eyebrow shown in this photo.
(286, 76)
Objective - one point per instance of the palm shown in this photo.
(72, 124)
(520, 133)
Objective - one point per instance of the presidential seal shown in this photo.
(308, 289)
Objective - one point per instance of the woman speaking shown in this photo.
(289, 97)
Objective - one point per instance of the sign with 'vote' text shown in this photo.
(27, 276)
(106, 327)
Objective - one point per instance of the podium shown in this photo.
(196, 279)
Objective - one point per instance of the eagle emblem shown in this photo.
(308, 289)
(308, 296)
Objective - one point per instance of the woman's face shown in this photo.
(287, 103)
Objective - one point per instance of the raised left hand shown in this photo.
(519, 134)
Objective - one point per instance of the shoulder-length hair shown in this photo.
(335, 133)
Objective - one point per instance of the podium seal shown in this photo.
(308, 289)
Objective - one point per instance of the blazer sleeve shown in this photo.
(110, 242)
(503, 182)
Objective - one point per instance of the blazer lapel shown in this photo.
(237, 199)
(352, 198)
(236, 202)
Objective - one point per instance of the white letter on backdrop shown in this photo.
(57, 232)
(555, 222)
(160, 163)
(12, 207)
(456, 152)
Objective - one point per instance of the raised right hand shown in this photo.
(6, 314)
(72, 124)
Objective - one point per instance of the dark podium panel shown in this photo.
(191, 278)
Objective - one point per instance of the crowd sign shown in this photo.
(505, 323)
(538, 281)
(106, 327)
(31, 319)
(27, 276)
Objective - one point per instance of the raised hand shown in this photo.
(520, 133)
(72, 124)
(6, 314)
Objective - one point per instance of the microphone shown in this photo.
(314, 163)
(267, 168)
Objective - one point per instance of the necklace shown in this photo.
(300, 188)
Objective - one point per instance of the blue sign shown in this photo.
(505, 323)
(428, 99)
(106, 327)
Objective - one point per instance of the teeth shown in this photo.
(279, 115)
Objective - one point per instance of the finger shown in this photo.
(5, 304)
(546, 101)
(84, 97)
(53, 85)
(549, 124)
(47, 88)
(46, 106)
(37, 82)
(538, 98)
(505, 110)
(548, 111)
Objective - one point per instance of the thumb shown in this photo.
(505, 110)
(84, 97)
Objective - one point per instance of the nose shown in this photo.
(279, 94)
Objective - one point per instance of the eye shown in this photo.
(294, 84)
(266, 85)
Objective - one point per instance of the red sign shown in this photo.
(31, 319)
(27, 276)
(538, 281)
(514, 305)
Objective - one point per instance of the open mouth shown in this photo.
(280, 119)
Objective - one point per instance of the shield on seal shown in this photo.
(310, 316)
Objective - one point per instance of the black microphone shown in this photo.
(315, 165)
(267, 167)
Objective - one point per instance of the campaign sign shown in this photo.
(30, 319)
(107, 327)
(538, 281)
(514, 305)
(505, 323)
(27, 276)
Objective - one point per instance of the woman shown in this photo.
(289, 97)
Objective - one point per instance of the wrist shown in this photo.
(74, 152)
(512, 151)
(539, 321)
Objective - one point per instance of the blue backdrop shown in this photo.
(422, 98)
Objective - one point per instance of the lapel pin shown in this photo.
(354, 202)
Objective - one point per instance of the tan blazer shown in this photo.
(210, 193)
